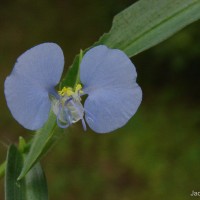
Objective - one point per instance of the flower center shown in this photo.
(68, 107)
(68, 92)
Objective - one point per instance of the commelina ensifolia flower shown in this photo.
(107, 76)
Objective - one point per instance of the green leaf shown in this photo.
(14, 190)
(32, 187)
(149, 22)
(72, 77)
(36, 186)
(41, 143)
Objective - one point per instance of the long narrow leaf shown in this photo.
(14, 190)
(36, 186)
(41, 143)
(149, 22)
(32, 187)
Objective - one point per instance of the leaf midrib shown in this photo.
(155, 26)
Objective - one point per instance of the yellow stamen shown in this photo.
(78, 87)
(68, 91)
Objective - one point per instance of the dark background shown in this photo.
(157, 154)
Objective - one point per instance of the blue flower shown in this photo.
(108, 78)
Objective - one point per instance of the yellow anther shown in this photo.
(68, 91)
(78, 87)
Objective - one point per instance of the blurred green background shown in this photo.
(157, 154)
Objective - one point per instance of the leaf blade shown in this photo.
(42, 141)
(14, 190)
(36, 185)
(154, 22)
(32, 187)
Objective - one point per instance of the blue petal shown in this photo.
(27, 89)
(109, 77)
(43, 63)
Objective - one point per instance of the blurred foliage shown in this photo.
(157, 155)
